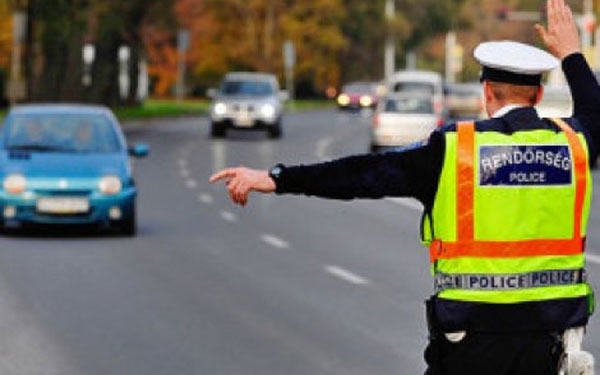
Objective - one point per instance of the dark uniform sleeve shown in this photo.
(586, 98)
(410, 172)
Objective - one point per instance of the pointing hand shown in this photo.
(241, 181)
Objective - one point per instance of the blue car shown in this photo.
(67, 164)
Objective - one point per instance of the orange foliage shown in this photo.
(162, 60)
(249, 35)
(5, 36)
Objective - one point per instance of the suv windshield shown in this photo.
(251, 88)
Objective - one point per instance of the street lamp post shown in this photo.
(390, 42)
(88, 55)
(124, 55)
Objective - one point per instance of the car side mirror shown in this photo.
(139, 150)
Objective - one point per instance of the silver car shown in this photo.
(247, 100)
(402, 119)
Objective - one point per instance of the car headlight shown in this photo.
(110, 185)
(343, 99)
(366, 101)
(15, 183)
(220, 109)
(267, 110)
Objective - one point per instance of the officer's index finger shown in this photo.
(225, 173)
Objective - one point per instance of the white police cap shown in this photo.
(513, 62)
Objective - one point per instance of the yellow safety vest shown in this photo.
(509, 217)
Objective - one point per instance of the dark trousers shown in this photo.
(530, 353)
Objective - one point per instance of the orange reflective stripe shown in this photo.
(466, 245)
(465, 180)
(580, 163)
(505, 249)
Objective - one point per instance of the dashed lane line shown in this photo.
(275, 241)
(191, 184)
(346, 275)
(592, 258)
(205, 198)
(407, 202)
(228, 216)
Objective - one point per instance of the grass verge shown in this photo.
(156, 108)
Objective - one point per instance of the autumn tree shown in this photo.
(249, 35)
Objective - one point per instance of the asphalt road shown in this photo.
(286, 285)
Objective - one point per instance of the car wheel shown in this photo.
(275, 130)
(128, 226)
(217, 130)
(374, 147)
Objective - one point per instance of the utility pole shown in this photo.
(183, 44)
(390, 43)
(15, 89)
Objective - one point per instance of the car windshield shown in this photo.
(419, 87)
(408, 105)
(251, 88)
(359, 88)
(60, 132)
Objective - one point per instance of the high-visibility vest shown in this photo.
(509, 218)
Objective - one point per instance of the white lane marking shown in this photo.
(346, 275)
(182, 163)
(205, 198)
(191, 184)
(228, 216)
(592, 258)
(322, 146)
(184, 172)
(275, 241)
(407, 202)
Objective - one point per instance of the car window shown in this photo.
(419, 87)
(61, 132)
(252, 88)
(408, 105)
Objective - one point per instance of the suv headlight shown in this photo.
(110, 185)
(267, 110)
(15, 183)
(220, 109)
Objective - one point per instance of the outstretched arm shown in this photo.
(241, 181)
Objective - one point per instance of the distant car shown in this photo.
(464, 100)
(247, 100)
(67, 164)
(556, 102)
(402, 119)
(421, 82)
(357, 95)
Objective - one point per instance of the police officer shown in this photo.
(506, 202)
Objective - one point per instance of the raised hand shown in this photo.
(561, 36)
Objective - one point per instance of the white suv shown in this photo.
(247, 100)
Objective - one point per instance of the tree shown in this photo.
(5, 35)
(249, 35)
(58, 29)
